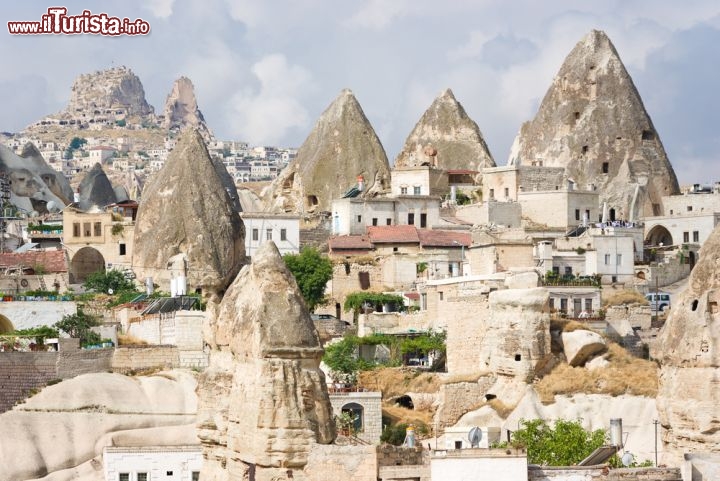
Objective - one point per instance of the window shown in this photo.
(458, 444)
(86, 229)
(605, 167)
(168, 473)
(613, 279)
(587, 214)
(374, 221)
(492, 193)
(388, 221)
(142, 476)
(423, 301)
(256, 235)
(588, 305)
(124, 477)
(568, 271)
(268, 234)
(689, 208)
(411, 219)
(423, 220)
(441, 295)
(283, 234)
(97, 229)
(76, 229)
(123, 250)
(359, 218)
(403, 190)
(416, 190)
(686, 237)
(551, 303)
(556, 270)
(607, 259)
(563, 305)
(195, 476)
(507, 192)
(618, 259)
(696, 236)
(577, 214)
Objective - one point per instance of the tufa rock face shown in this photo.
(689, 353)
(593, 123)
(447, 135)
(181, 108)
(96, 189)
(113, 89)
(28, 188)
(186, 210)
(580, 346)
(56, 181)
(341, 146)
(263, 400)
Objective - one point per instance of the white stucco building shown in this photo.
(156, 463)
(260, 227)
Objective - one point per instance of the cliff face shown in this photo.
(96, 189)
(32, 186)
(689, 353)
(263, 399)
(593, 123)
(186, 210)
(181, 108)
(115, 89)
(341, 146)
(446, 133)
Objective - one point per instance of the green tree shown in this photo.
(564, 444)
(103, 281)
(77, 142)
(312, 272)
(79, 326)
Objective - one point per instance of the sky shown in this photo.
(264, 71)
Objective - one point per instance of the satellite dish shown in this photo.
(34, 213)
(627, 459)
(110, 291)
(53, 207)
(474, 436)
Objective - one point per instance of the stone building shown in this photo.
(366, 407)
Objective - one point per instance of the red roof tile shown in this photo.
(345, 242)
(52, 261)
(443, 238)
(393, 234)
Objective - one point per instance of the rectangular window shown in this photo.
(686, 237)
(618, 259)
(441, 295)
(568, 271)
(577, 214)
(587, 214)
(283, 234)
(563, 305)
(256, 234)
(195, 476)
(403, 190)
(359, 218)
(97, 228)
(122, 249)
(507, 192)
(556, 270)
(268, 234)
(605, 167)
(423, 220)
(142, 476)
(374, 221)
(551, 303)
(588, 306)
(689, 208)
(423, 301)
(607, 259)
(696, 236)
(411, 219)
(124, 477)
(492, 193)
(388, 221)
(416, 190)
(76, 229)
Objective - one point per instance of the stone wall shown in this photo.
(459, 398)
(139, 358)
(371, 403)
(23, 372)
(27, 314)
(404, 473)
(342, 463)
(394, 322)
(389, 455)
(602, 473)
(346, 279)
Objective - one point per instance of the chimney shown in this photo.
(361, 183)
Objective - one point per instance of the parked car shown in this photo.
(659, 301)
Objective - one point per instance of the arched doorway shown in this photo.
(356, 410)
(659, 235)
(86, 261)
(5, 325)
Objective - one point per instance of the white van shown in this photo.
(659, 301)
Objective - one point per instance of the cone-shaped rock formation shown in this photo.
(186, 210)
(689, 354)
(96, 189)
(446, 133)
(263, 402)
(181, 108)
(593, 123)
(56, 181)
(341, 146)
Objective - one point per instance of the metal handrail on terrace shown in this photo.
(575, 282)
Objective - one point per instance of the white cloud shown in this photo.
(266, 114)
(160, 8)
(249, 12)
(378, 14)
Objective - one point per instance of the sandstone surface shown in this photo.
(67, 425)
(56, 181)
(688, 348)
(28, 189)
(580, 346)
(447, 136)
(593, 123)
(107, 92)
(341, 146)
(181, 108)
(96, 189)
(186, 209)
(263, 399)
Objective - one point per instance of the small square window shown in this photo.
(124, 477)
(283, 234)
(142, 476)
(388, 221)
(403, 190)
(374, 221)
(416, 190)
(195, 476)
(689, 208)
(168, 473)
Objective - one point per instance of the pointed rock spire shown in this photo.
(96, 189)
(446, 132)
(186, 210)
(263, 400)
(341, 146)
(181, 108)
(593, 123)
(56, 181)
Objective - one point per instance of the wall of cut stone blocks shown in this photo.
(372, 412)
